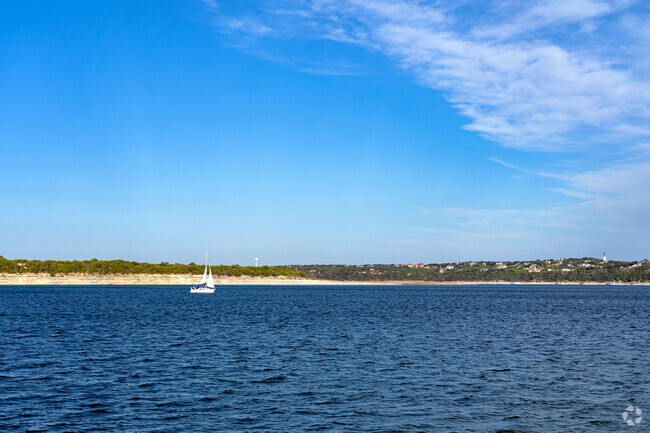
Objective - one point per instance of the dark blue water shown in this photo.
(349, 359)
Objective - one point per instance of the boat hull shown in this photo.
(201, 290)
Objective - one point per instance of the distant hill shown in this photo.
(116, 267)
(585, 270)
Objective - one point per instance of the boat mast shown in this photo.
(205, 272)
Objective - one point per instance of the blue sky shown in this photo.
(324, 131)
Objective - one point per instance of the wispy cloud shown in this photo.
(518, 84)
(247, 25)
(617, 194)
(563, 230)
(622, 191)
(538, 75)
(549, 13)
(507, 164)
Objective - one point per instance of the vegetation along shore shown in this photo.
(584, 270)
(572, 270)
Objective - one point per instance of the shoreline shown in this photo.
(528, 283)
(190, 279)
(151, 280)
(501, 283)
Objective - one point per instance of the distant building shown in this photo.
(604, 257)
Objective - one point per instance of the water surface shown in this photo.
(346, 358)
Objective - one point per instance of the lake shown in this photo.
(324, 358)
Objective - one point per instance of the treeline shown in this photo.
(583, 270)
(109, 267)
(571, 270)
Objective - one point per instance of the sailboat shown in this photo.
(207, 283)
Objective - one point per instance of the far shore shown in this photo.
(189, 279)
(149, 280)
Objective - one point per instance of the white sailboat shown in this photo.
(207, 283)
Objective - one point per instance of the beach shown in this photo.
(44, 279)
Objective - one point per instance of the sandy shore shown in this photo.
(188, 279)
(148, 280)
(515, 283)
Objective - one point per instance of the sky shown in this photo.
(324, 131)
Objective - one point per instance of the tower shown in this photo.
(604, 257)
(256, 259)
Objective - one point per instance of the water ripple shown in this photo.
(357, 359)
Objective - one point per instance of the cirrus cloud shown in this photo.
(564, 76)
(519, 83)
